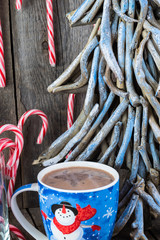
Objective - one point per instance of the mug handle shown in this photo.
(19, 216)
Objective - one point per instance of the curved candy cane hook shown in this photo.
(19, 142)
(44, 124)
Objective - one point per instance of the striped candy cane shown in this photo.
(18, 4)
(44, 122)
(2, 64)
(17, 232)
(50, 27)
(19, 143)
(7, 143)
(42, 133)
(70, 112)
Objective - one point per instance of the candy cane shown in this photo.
(16, 231)
(70, 113)
(70, 110)
(6, 143)
(19, 143)
(51, 45)
(2, 64)
(18, 4)
(44, 122)
(39, 141)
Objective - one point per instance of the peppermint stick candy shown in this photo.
(70, 110)
(16, 231)
(18, 4)
(2, 64)
(50, 27)
(42, 133)
(19, 141)
(70, 113)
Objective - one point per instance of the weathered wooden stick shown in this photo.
(138, 224)
(155, 33)
(137, 127)
(121, 222)
(151, 18)
(154, 126)
(140, 77)
(121, 44)
(133, 96)
(142, 17)
(76, 139)
(155, 157)
(126, 138)
(121, 48)
(125, 189)
(153, 51)
(112, 158)
(98, 139)
(92, 12)
(80, 11)
(127, 197)
(112, 87)
(142, 148)
(117, 9)
(114, 142)
(149, 77)
(94, 31)
(89, 99)
(84, 70)
(93, 129)
(152, 65)
(72, 67)
(106, 42)
(101, 84)
(152, 190)
(149, 200)
(128, 156)
(157, 2)
(114, 28)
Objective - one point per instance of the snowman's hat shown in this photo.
(66, 204)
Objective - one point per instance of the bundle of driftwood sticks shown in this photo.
(119, 122)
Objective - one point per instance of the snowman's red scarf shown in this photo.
(83, 215)
(67, 229)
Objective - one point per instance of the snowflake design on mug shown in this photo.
(109, 212)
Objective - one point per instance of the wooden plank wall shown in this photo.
(29, 74)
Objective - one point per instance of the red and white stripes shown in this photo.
(18, 4)
(50, 27)
(17, 232)
(2, 64)
(44, 118)
(70, 111)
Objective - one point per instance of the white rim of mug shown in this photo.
(95, 165)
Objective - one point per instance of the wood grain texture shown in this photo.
(7, 107)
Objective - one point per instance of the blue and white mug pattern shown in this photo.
(73, 215)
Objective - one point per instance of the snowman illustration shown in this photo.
(67, 221)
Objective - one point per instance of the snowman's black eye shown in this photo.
(67, 210)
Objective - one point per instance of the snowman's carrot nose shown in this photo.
(63, 209)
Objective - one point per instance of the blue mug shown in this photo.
(90, 214)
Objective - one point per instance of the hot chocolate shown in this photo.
(77, 178)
